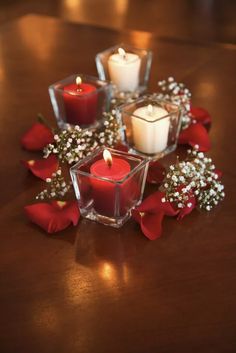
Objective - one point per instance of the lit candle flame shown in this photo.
(150, 109)
(107, 157)
(122, 52)
(78, 80)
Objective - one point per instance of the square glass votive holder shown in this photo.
(126, 67)
(150, 126)
(80, 100)
(107, 193)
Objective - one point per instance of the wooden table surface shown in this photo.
(91, 288)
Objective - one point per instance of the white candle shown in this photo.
(124, 70)
(150, 135)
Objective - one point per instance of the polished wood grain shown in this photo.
(91, 288)
(207, 20)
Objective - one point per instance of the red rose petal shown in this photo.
(201, 115)
(42, 168)
(37, 137)
(156, 173)
(195, 134)
(151, 213)
(121, 147)
(151, 225)
(54, 216)
(136, 215)
(154, 204)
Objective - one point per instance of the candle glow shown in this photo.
(105, 191)
(150, 133)
(78, 80)
(150, 109)
(122, 52)
(80, 102)
(124, 69)
(107, 157)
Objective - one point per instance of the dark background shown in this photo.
(94, 289)
(206, 20)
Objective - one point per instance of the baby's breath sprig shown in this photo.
(56, 187)
(124, 97)
(170, 90)
(178, 94)
(73, 144)
(109, 135)
(194, 177)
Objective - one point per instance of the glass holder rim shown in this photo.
(142, 162)
(105, 84)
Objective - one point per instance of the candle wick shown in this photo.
(150, 110)
(109, 163)
(122, 53)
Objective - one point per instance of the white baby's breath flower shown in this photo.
(196, 176)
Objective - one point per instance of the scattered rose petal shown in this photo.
(154, 204)
(37, 137)
(151, 213)
(201, 115)
(195, 134)
(156, 173)
(53, 216)
(121, 147)
(42, 168)
(151, 224)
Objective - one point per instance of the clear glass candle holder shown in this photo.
(107, 193)
(80, 100)
(150, 126)
(126, 67)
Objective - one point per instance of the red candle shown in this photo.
(104, 192)
(80, 101)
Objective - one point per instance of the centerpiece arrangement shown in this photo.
(111, 135)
